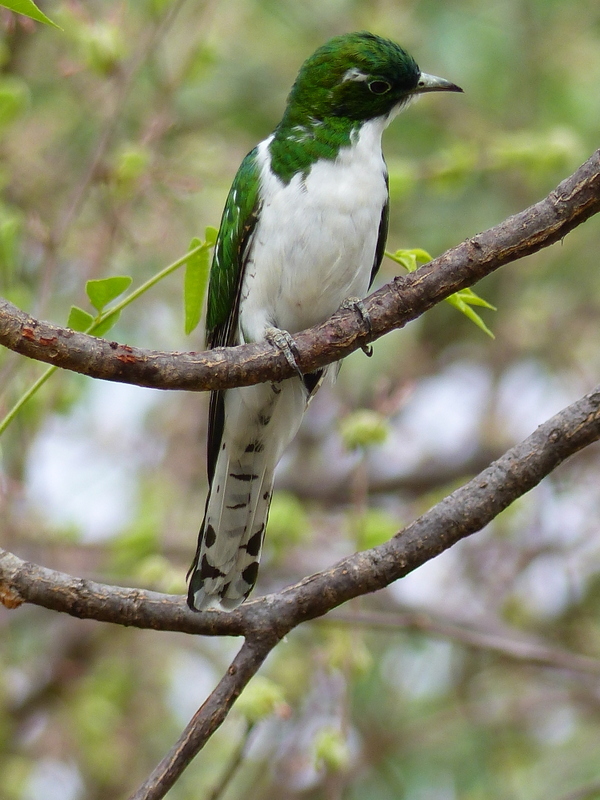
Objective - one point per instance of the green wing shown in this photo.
(226, 276)
(230, 255)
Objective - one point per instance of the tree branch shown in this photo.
(575, 199)
(207, 719)
(465, 511)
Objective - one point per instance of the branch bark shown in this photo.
(575, 200)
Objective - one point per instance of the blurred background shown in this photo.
(119, 137)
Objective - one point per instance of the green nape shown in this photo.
(295, 150)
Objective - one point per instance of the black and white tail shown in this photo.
(257, 424)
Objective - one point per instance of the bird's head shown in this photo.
(358, 76)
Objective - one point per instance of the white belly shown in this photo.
(314, 244)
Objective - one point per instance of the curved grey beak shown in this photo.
(431, 83)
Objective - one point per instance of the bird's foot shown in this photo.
(356, 304)
(285, 343)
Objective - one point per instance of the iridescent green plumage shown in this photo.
(237, 224)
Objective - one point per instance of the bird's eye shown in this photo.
(379, 87)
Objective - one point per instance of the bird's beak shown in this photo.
(431, 83)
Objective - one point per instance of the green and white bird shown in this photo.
(303, 230)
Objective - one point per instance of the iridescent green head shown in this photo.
(357, 76)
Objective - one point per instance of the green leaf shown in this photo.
(463, 301)
(194, 285)
(103, 291)
(260, 699)
(363, 428)
(331, 749)
(28, 9)
(410, 259)
(14, 99)
(79, 320)
(210, 234)
(469, 296)
(106, 324)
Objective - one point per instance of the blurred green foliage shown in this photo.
(119, 138)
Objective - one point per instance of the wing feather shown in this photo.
(226, 276)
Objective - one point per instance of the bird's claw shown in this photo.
(356, 304)
(285, 343)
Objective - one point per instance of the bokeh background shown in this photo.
(119, 137)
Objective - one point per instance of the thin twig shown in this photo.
(57, 237)
(520, 649)
(235, 762)
(124, 86)
(589, 792)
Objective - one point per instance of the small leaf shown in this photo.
(79, 320)
(464, 306)
(210, 234)
(462, 300)
(106, 324)
(410, 259)
(103, 46)
(14, 99)
(422, 256)
(103, 291)
(261, 698)
(469, 296)
(363, 428)
(331, 749)
(28, 9)
(194, 285)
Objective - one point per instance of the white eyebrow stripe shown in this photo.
(354, 74)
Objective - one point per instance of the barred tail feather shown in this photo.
(259, 423)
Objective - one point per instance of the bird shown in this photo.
(302, 233)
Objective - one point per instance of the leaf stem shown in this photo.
(24, 398)
(148, 285)
(4, 423)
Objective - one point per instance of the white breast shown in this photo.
(314, 244)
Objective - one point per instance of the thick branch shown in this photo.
(462, 513)
(576, 199)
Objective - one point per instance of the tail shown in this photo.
(259, 422)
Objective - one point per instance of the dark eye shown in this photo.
(379, 87)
